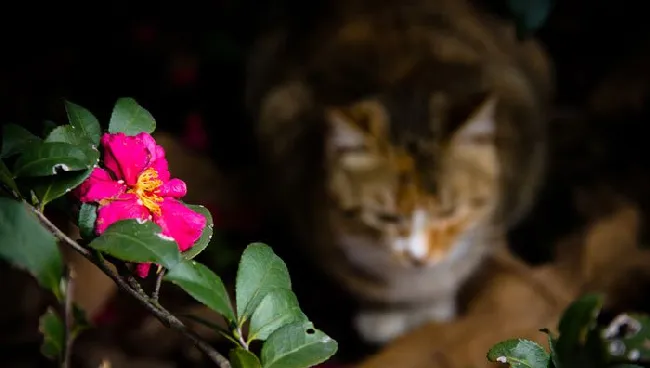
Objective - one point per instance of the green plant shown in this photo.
(145, 228)
(582, 341)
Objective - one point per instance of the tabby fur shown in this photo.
(401, 139)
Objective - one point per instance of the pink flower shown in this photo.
(136, 184)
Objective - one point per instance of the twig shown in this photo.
(225, 333)
(164, 316)
(240, 336)
(57, 232)
(68, 318)
(159, 277)
(127, 274)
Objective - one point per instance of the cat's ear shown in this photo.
(351, 128)
(343, 133)
(480, 126)
(354, 132)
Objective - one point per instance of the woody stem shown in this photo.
(162, 314)
(156, 291)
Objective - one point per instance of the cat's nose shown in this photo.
(423, 260)
(414, 260)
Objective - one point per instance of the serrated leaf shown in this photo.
(519, 353)
(297, 345)
(67, 134)
(240, 358)
(53, 331)
(15, 139)
(203, 285)
(84, 121)
(48, 127)
(28, 245)
(52, 187)
(130, 118)
(278, 308)
(138, 241)
(260, 271)
(50, 158)
(86, 220)
(206, 235)
(7, 178)
(75, 137)
(575, 323)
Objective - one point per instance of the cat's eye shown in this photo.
(446, 212)
(350, 212)
(412, 146)
(390, 218)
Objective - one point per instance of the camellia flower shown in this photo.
(135, 184)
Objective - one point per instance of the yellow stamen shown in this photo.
(145, 188)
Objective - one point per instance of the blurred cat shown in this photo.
(401, 139)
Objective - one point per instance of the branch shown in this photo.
(160, 273)
(162, 314)
(68, 318)
(57, 232)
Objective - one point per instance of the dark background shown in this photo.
(181, 59)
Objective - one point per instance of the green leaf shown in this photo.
(15, 139)
(575, 323)
(81, 321)
(84, 121)
(67, 134)
(53, 331)
(297, 345)
(627, 337)
(206, 236)
(530, 15)
(519, 353)
(260, 271)
(87, 219)
(52, 187)
(48, 127)
(28, 245)
(50, 158)
(75, 137)
(7, 178)
(552, 341)
(240, 358)
(130, 118)
(138, 241)
(203, 285)
(278, 308)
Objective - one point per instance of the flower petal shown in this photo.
(123, 208)
(142, 269)
(98, 186)
(149, 143)
(160, 164)
(180, 222)
(174, 188)
(127, 156)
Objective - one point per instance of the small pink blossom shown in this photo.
(135, 184)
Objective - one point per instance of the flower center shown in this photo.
(145, 188)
